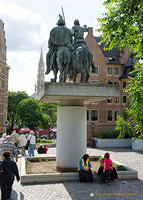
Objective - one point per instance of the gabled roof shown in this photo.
(129, 66)
(131, 61)
(113, 55)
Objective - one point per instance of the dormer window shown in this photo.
(110, 58)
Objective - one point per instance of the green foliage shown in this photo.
(121, 168)
(122, 25)
(29, 113)
(107, 134)
(36, 159)
(124, 127)
(43, 141)
(14, 98)
(27, 162)
(49, 114)
(135, 90)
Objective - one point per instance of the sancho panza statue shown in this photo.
(68, 52)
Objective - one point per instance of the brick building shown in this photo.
(4, 69)
(112, 67)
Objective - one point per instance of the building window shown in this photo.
(109, 70)
(109, 100)
(116, 83)
(110, 82)
(87, 115)
(124, 84)
(124, 99)
(109, 115)
(96, 71)
(116, 100)
(116, 71)
(115, 115)
(94, 115)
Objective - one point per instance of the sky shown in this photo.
(27, 24)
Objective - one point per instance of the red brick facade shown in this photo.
(107, 71)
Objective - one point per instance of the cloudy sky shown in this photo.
(27, 24)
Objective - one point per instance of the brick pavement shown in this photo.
(121, 190)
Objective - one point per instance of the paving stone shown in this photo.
(131, 190)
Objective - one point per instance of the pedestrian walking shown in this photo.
(14, 138)
(22, 142)
(32, 143)
(9, 146)
(8, 171)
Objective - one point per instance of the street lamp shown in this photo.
(92, 125)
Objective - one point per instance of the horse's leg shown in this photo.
(60, 68)
(65, 74)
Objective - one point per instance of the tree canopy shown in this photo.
(122, 25)
(29, 113)
(14, 98)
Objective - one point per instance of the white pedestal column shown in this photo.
(71, 135)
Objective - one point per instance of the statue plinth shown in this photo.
(76, 93)
(71, 116)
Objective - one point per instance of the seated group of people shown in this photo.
(106, 171)
(42, 149)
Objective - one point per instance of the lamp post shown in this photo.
(92, 125)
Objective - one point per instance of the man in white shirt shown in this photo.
(22, 142)
(32, 143)
(14, 138)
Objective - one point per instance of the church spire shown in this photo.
(41, 71)
(41, 57)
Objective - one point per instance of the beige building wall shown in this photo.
(4, 69)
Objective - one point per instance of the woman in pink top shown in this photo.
(107, 166)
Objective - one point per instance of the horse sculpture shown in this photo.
(82, 63)
(63, 61)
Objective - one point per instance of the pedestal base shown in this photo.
(71, 136)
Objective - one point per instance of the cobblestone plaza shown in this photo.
(123, 190)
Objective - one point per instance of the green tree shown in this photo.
(14, 98)
(29, 113)
(49, 112)
(122, 25)
(124, 127)
(135, 91)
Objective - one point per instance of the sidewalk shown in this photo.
(123, 190)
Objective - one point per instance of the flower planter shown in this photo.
(113, 142)
(137, 144)
(71, 176)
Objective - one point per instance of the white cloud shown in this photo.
(27, 24)
(25, 30)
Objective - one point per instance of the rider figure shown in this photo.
(78, 33)
(60, 36)
(79, 41)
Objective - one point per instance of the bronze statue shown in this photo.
(59, 55)
(67, 55)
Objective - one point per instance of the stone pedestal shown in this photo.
(71, 116)
(71, 136)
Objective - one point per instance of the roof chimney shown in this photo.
(90, 30)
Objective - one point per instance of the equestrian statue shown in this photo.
(68, 52)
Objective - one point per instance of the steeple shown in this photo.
(40, 76)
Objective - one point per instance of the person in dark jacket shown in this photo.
(41, 149)
(8, 171)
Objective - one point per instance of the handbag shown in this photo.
(28, 143)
